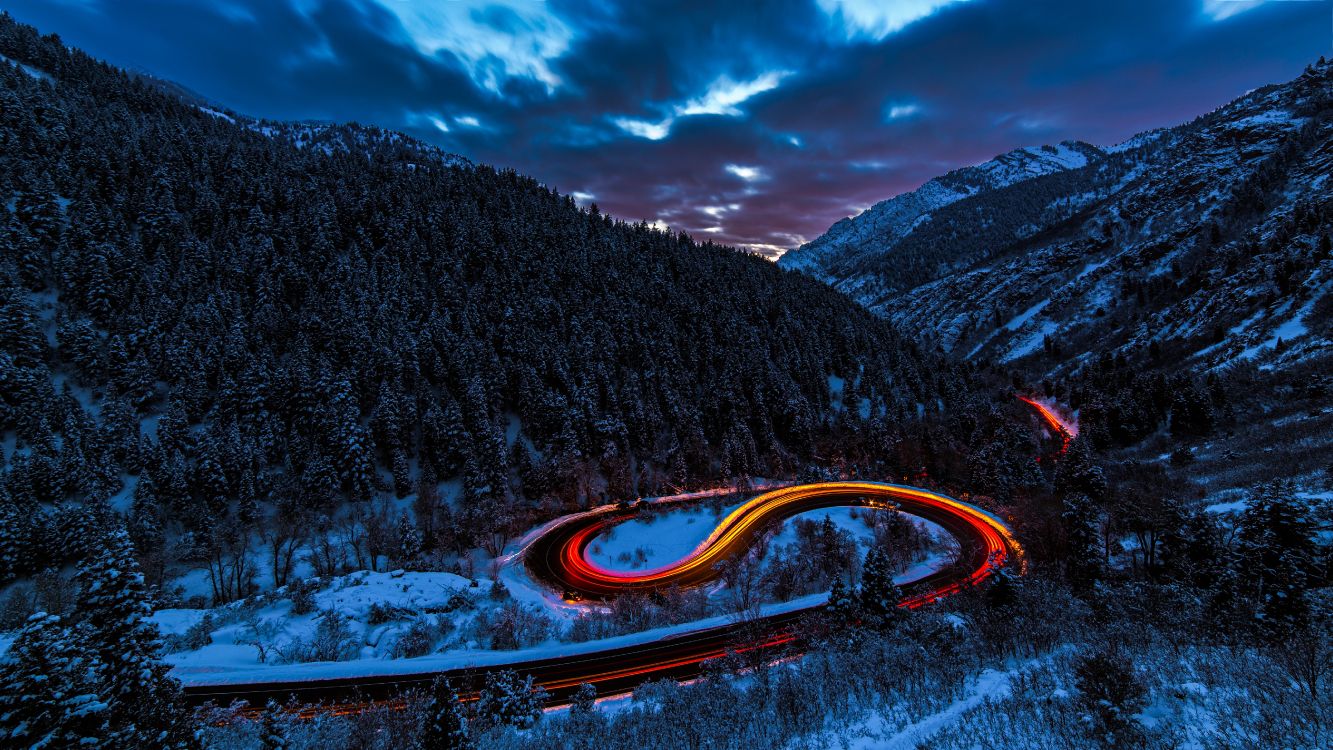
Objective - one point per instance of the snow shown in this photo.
(37, 73)
(1292, 328)
(217, 114)
(1090, 267)
(981, 344)
(1232, 506)
(654, 540)
(1272, 116)
(351, 595)
(988, 685)
(232, 657)
(237, 671)
(1031, 342)
(1136, 141)
(1026, 315)
(835, 385)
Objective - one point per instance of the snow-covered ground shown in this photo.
(237, 670)
(454, 612)
(655, 539)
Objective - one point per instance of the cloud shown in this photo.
(901, 110)
(877, 19)
(495, 41)
(717, 212)
(722, 97)
(724, 94)
(749, 174)
(1220, 10)
(653, 131)
(782, 121)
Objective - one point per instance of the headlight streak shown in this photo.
(1066, 430)
(575, 572)
(556, 555)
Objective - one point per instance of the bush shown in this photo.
(418, 639)
(1110, 691)
(378, 614)
(514, 625)
(195, 637)
(333, 640)
(302, 594)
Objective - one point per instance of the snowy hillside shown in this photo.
(1208, 242)
(831, 256)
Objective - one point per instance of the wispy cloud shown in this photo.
(722, 97)
(1220, 10)
(876, 19)
(653, 131)
(724, 94)
(749, 174)
(494, 41)
(901, 110)
(662, 109)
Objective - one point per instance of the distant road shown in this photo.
(557, 558)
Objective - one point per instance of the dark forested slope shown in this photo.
(232, 315)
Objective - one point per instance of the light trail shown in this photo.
(556, 555)
(1065, 429)
(565, 563)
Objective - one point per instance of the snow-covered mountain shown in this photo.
(831, 257)
(1206, 244)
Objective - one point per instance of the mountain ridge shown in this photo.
(1223, 185)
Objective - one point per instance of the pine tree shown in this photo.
(508, 701)
(446, 727)
(20, 335)
(271, 733)
(841, 606)
(402, 475)
(584, 702)
(409, 539)
(51, 695)
(15, 541)
(145, 703)
(1081, 559)
(879, 596)
(1078, 472)
(356, 462)
(1001, 592)
(1277, 550)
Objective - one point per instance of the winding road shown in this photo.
(1066, 430)
(556, 557)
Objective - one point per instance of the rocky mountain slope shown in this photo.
(1206, 244)
(835, 255)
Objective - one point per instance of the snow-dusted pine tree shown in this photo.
(508, 701)
(879, 595)
(145, 708)
(446, 727)
(51, 694)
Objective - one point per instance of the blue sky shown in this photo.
(757, 124)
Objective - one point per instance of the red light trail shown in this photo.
(557, 558)
(1066, 430)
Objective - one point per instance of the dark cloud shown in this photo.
(751, 123)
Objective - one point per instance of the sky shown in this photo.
(755, 124)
